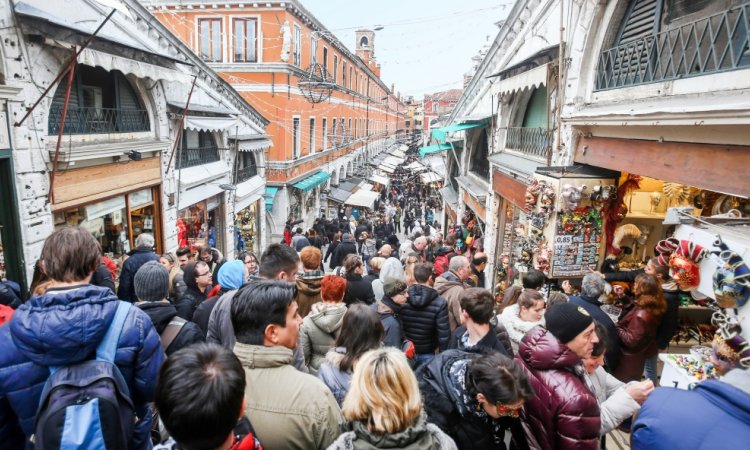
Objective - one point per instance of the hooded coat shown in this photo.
(331, 375)
(64, 327)
(515, 326)
(161, 313)
(192, 297)
(392, 268)
(342, 250)
(308, 294)
(319, 331)
(637, 333)
(420, 436)
(564, 413)
(389, 312)
(450, 287)
(358, 290)
(424, 318)
(716, 414)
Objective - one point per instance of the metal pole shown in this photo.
(182, 124)
(72, 59)
(71, 73)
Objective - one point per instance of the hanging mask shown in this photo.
(684, 265)
(731, 281)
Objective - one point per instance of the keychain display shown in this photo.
(577, 242)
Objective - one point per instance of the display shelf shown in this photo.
(673, 375)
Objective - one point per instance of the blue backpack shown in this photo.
(87, 406)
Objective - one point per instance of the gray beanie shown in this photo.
(394, 286)
(151, 282)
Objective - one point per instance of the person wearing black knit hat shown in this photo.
(564, 413)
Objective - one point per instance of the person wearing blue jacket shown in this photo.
(64, 326)
(716, 414)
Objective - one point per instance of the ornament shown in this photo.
(731, 281)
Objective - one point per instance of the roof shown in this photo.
(451, 95)
(548, 53)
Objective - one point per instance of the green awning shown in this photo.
(270, 194)
(433, 149)
(440, 134)
(312, 181)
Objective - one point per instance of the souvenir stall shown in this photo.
(197, 224)
(469, 233)
(708, 260)
(247, 227)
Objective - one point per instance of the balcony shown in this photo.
(714, 44)
(531, 141)
(191, 157)
(97, 120)
(245, 174)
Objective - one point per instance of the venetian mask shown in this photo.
(731, 281)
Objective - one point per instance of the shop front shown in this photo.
(248, 230)
(115, 209)
(202, 224)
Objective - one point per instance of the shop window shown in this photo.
(480, 165)
(210, 37)
(245, 43)
(248, 229)
(246, 166)
(198, 147)
(297, 46)
(99, 102)
(197, 225)
(118, 221)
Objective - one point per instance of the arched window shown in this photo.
(364, 42)
(99, 102)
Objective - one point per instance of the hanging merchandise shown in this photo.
(577, 242)
(730, 349)
(731, 279)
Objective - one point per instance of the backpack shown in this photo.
(442, 261)
(87, 405)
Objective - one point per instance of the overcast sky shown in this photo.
(426, 45)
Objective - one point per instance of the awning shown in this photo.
(312, 181)
(423, 151)
(473, 187)
(385, 181)
(338, 195)
(441, 134)
(200, 123)
(270, 194)
(526, 80)
(253, 145)
(398, 154)
(437, 164)
(429, 177)
(415, 166)
(365, 199)
(449, 195)
(366, 186)
(139, 69)
(403, 147)
(387, 169)
(393, 161)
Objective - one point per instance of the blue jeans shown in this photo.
(423, 358)
(650, 368)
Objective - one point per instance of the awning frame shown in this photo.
(311, 182)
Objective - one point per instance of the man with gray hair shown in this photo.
(143, 253)
(451, 284)
(592, 288)
(418, 246)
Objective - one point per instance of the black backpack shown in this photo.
(87, 405)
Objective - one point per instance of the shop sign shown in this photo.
(106, 207)
(139, 198)
(509, 188)
(475, 206)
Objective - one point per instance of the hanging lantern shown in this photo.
(316, 85)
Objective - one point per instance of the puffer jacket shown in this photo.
(420, 436)
(424, 318)
(489, 343)
(716, 414)
(161, 313)
(308, 293)
(319, 331)
(564, 413)
(139, 257)
(358, 290)
(515, 326)
(637, 333)
(331, 375)
(64, 327)
(615, 403)
(450, 287)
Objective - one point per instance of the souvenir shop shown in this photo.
(469, 230)
(201, 224)
(247, 228)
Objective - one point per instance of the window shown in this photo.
(313, 50)
(312, 135)
(245, 49)
(335, 68)
(480, 165)
(297, 45)
(324, 128)
(349, 129)
(351, 78)
(356, 128)
(343, 73)
(295, 138)
(435, 107)
(246, 166)
(334, 130)
(198, 147)
(210, 39)
(325, 59)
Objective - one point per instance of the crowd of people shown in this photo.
(392, 347)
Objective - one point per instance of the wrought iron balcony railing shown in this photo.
(97, 120)
(191, 157)
(718, 43)
(245, 174)
(532, 141)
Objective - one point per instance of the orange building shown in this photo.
(266, 50)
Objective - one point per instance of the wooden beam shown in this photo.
(509, 188)
(719, 168)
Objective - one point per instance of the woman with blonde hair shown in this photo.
(383, 407)
(409, 264)
(177, 285)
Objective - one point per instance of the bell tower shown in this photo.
(365, 45)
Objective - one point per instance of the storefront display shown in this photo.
(247, 225)
(197, 224)
(116, 222)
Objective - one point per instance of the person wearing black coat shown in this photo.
(425, 316)
(592, 287)
(138, 257)
(358, 290)
(193, 295)
(347, 246)
(102, 277)
(161, 313)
